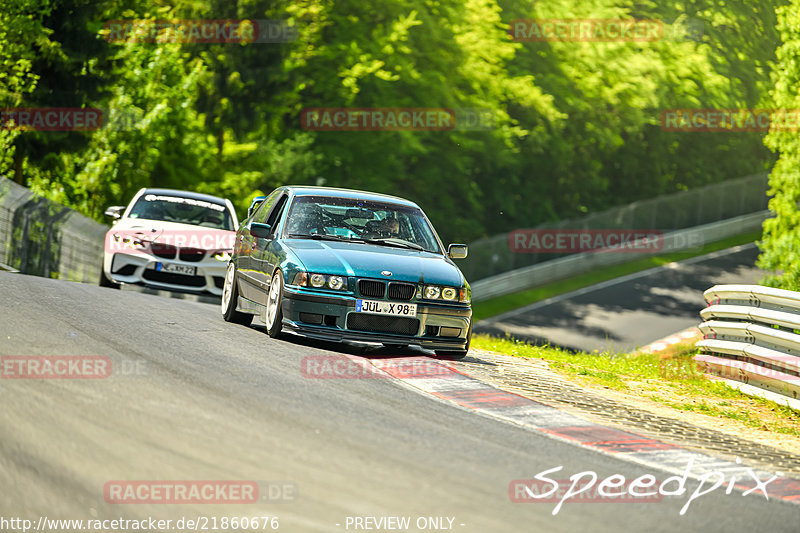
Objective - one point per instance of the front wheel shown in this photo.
(230, 296)
(457, 354)
(273, 314)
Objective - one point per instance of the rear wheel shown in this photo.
(273, 314)
(457, 354)
(230, 297)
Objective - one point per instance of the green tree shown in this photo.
(780, 247)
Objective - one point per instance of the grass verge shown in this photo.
(673, 381)
(502, 304)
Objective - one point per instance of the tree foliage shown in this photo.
(781, 241)
(575, 125)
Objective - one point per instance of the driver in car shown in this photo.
(390, 227)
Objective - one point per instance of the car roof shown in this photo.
(348, 193)
(186, 194)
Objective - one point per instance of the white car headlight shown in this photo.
(317, 280)
(449, 293)
(432, 292)
(336, 282)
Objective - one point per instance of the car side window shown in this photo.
(263, 210)
(275, 214)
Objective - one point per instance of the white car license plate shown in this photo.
(386, 308)
(176, 269)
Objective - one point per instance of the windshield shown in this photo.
(350, 219)
(182, 210)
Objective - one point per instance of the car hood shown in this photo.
(181, 235)
(369, 261)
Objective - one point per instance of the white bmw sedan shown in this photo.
(172, 240)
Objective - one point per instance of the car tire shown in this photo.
(105, 282)
(273, 312)
(230, 296)
(457, 354)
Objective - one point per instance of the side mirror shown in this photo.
(261, 231)
(115, 211)
(457, 251)
(254, 204)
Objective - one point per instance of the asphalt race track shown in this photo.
(191, 397)
(628, 312)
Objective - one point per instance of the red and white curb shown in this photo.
(663, 344)
(443, 382)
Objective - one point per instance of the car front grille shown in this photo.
(166, 251)
(371, 289)
(383, 324)
(401, 291)
(174, 279)
(192, 255)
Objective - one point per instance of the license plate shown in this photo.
(176, 269)
(386, 308)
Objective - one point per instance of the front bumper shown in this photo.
(141, 269)
(436, 328)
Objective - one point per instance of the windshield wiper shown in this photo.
(391, 241)
(323, 237)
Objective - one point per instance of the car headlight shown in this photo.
(319, 281)
(130, 241)
(222, 255)
(432, 292)
(449, 294)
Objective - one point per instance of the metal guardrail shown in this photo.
(492, 256)
(752, 336)
(43, 238)
(573, 265)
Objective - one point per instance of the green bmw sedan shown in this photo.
(338, 264)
